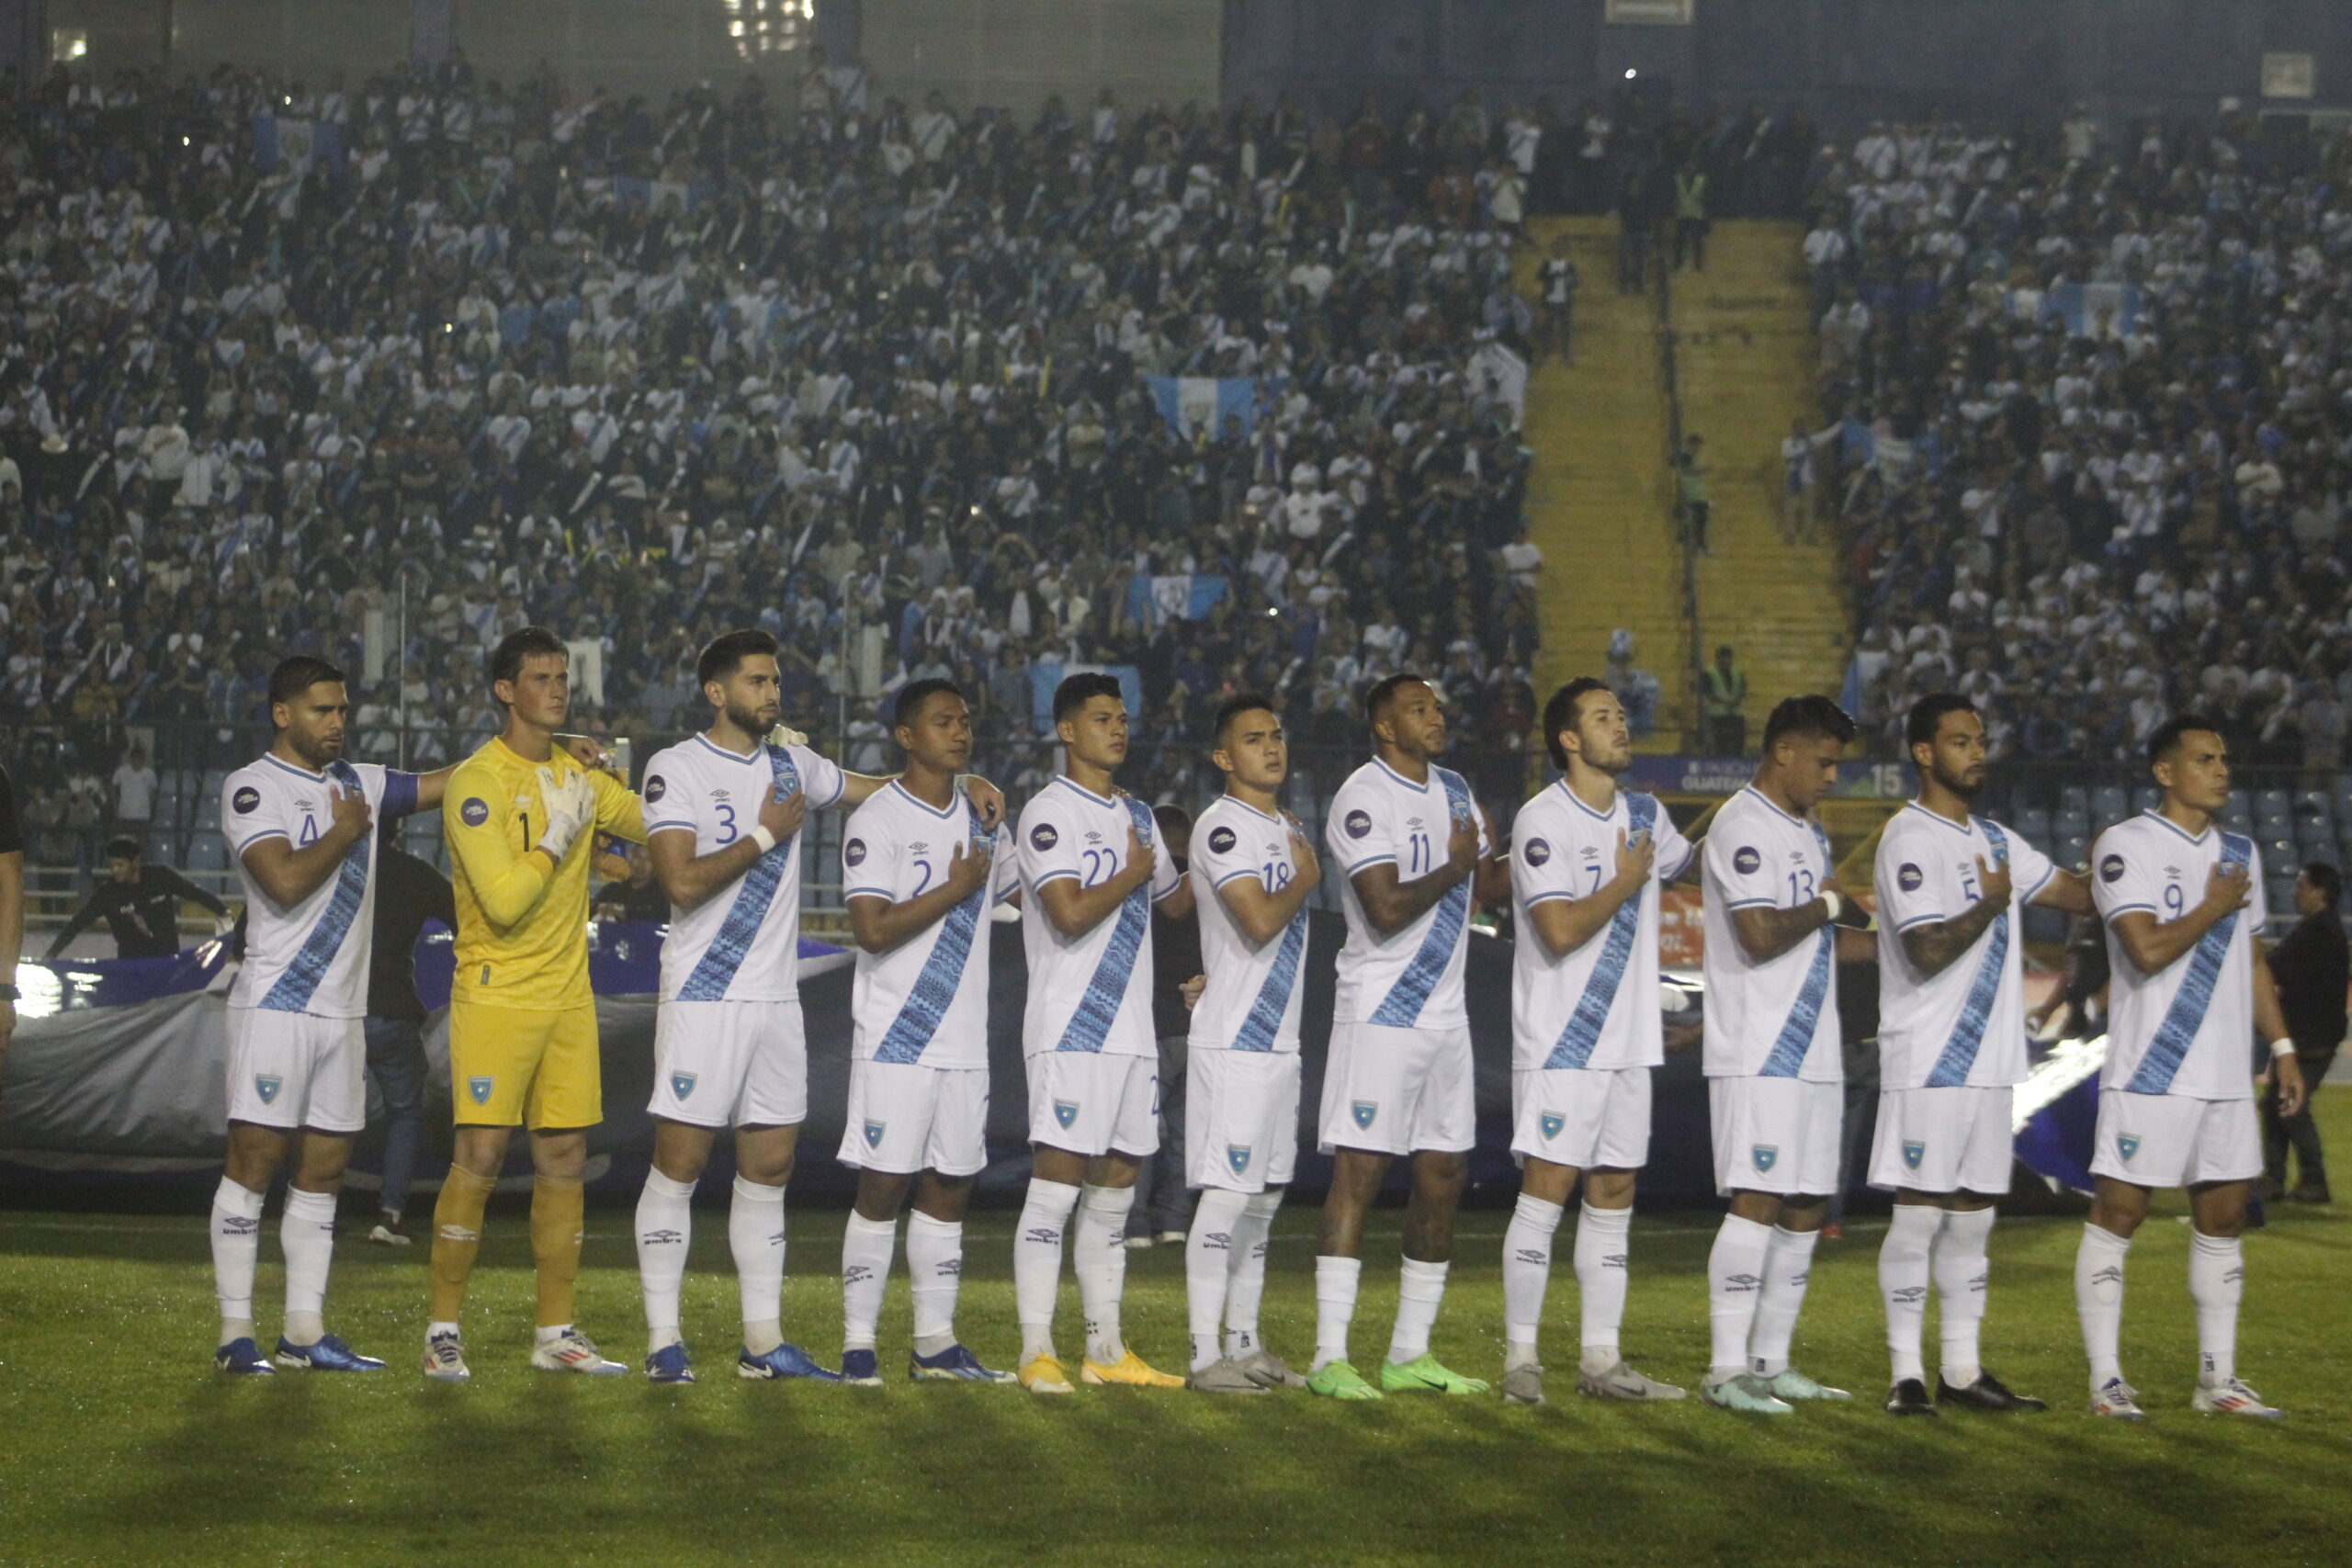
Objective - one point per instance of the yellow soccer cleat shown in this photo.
(1043, 1374)
(1129, 1369)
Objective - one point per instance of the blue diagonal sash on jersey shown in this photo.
(1582, 1036)
(1796, 1034)
(943, 973)
(1403, 1005)
(1089, 1024)
(1952, 1068)
(294, 988)
(2178, 1030)
(1265, 1017)
(727, 949)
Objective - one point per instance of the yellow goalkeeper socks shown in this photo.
(557, 1214)
(457, 1237)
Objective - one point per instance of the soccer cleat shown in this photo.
(1909, 1397)
(390, 1231)
(1337, 1380)
(1793, 1385)
(2230, 1397)
(954, 1364)
(328, 1355)
(792, 1361)
(1267, 1370)
(2116, 1402)
(1621, 1381)
(1043, 1374)
(1523, 1384)
(670, 1364)
(1988, 1392)
(573, 1351)
(1221, 1376)
(1744, 1392)
(1129, 1370)
(860, 1368)
(241, 1357)
(444, 1361)
(1423, 1371)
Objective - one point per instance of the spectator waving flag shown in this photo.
(1193, 403)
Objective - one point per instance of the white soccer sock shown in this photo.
(866, 1248)
(666, 1218)
(1527, 1274)
(1786, 1267)
(755, 1235)
(2098, 1301)
(1602, 1238)
(1245, 1280)
(2216, 1281)
(1098, 1258)
(1735, 1278)
(1208, 1264)
(1420, 1288)
(1037, 1262)
(306, 1233)
(1962, 1268)
(935, 1267)
(1903, 1273)
(1336, 1279)
(236, 1248)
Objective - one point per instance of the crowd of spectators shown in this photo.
(2090, 428)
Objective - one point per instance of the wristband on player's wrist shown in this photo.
(2282, 1047)
(1829, 897)
(764, 838)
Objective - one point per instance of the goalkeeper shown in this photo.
(521, 817)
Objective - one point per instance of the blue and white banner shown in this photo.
(1175, 596)
(2094, 309)
(1194, 404)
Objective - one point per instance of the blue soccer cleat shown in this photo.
(784, 1361)
(241, 1357)
(669, 1364)
(328, 1355)
(859, 1369)
(953, 1364)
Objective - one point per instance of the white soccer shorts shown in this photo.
(2170, 1140)
(1944, 1140)
(731, 1065)
(1240, 1119)
(293, 1069)
(1585, 1117)
(1092, 1103)
(1396, 1092)
(905, 1117)
(1777, 1135)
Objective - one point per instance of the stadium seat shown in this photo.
(2110, 805)
(2034, 825)
(2147, 797)
(2075, 798)
(2273, 803)
(2072, 849)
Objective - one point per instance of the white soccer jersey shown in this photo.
(1411, 979)
(312, 958)
(1964, 1025)
(1778, 1018)
(1252, 1000)
(926, 999)
(2188, 1029)
(1091, 992)
(1596, 1007)
(743, 943)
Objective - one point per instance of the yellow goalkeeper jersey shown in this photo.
(522, 923)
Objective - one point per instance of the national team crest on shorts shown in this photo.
(681, 1084)
(2127, 1145)
(267, 1085)
(1365, 1110)
(1065, 1111)
(1238, 1156)
(874, 1135)
(1764, 1154)
(1914, 1151)
(479, 1087)
(1552, 1121)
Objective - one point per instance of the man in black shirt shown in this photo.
(140, 903)
(1163, 1210)
(12, 912)
(2312, 968)
(409, 892)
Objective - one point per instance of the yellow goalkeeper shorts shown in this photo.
(511, 1067)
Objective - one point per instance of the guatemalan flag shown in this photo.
(1173, 596)
(1191, 404)
(2094, 309)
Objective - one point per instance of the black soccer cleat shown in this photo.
(1909, 1397)
(1988, 1392)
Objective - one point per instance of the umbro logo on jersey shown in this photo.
(1536, 850)
(267, 1085)
(655, 788)
(681, 1084)
(1908, 877)
(1552, 1121)
(1043, 837)
(1065, 1111)
(2126, 1144)
(1238, 1156)
(1745, 860)
(1093, 837)
(2110, 869)
(245, 799)
(1222, 839)
(1914, 1152)
(2172, 870)
(1358, 824)
(1764, 1155)
(474, 812)
(1365, 1109)
(479, 1087)
(874, 1135)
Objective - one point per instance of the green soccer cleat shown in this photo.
(1337, 1380)
(1793, 1385)
(1423, 1371)
(1744, 1392)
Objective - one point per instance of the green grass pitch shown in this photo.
(118, 1445)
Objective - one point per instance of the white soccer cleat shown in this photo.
(2232, 1397)
(2116, 1402)
(445, 1359)
(573, 1351)
(1621, 1381)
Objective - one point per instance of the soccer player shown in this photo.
(724, 812)
(521, 818)
(917, 860)
(1586, 864)
(1252, 870)
(1775, 1078)
(1090, 876)
(2181, 900)
(1952, 1049)
(1414, 851)
(300, 821)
